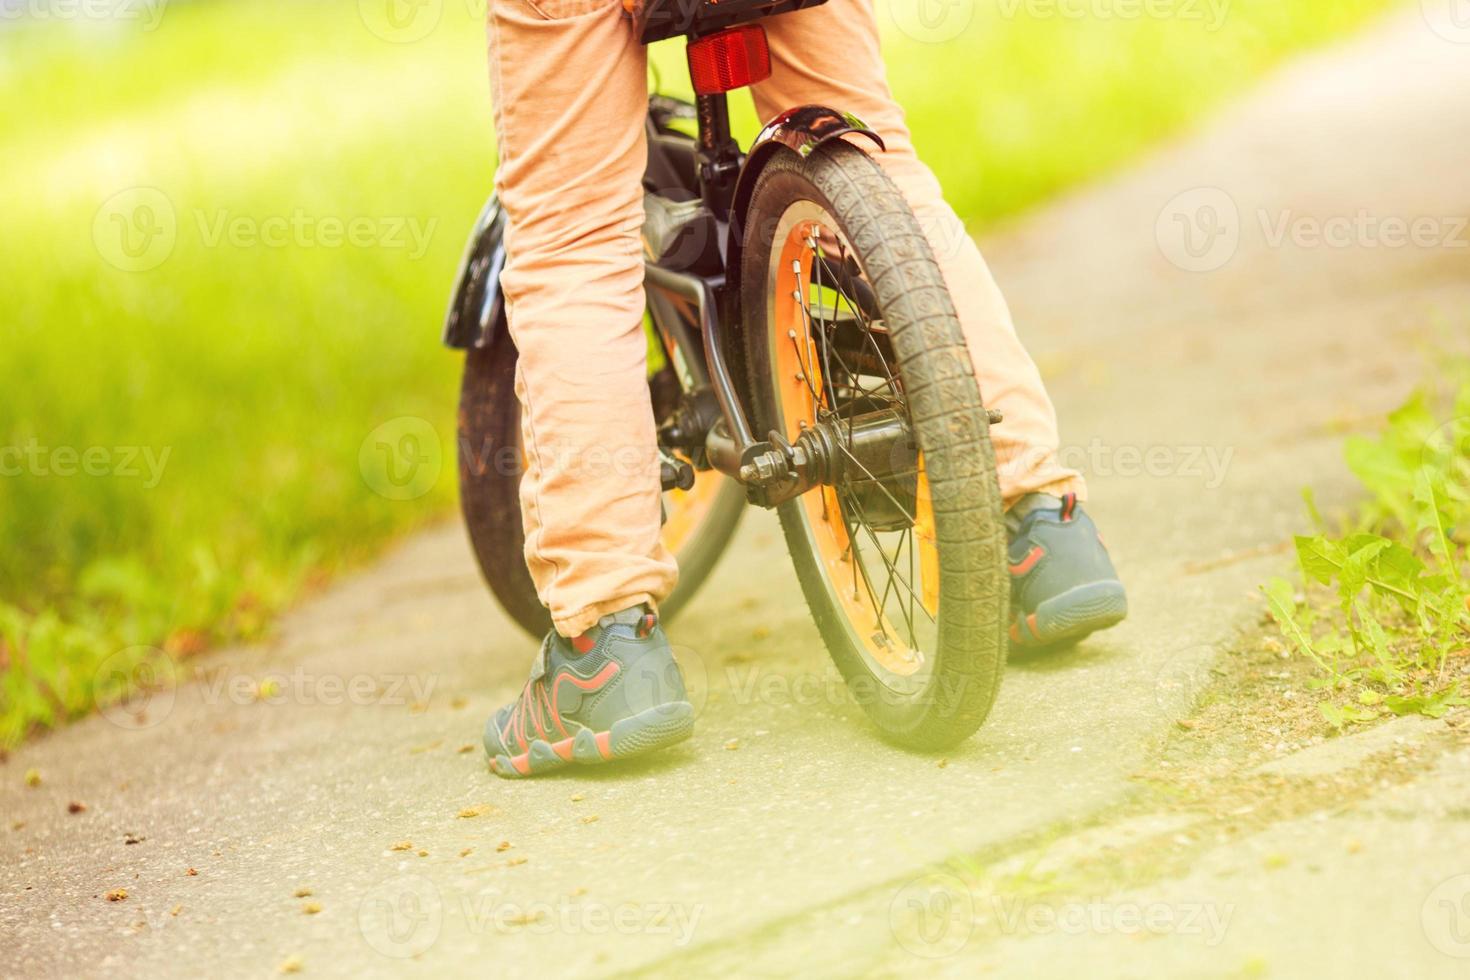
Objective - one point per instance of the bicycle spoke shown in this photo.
(806, 372)
(862, 569)
(890, 382)
(826, 342)
(866, 329)
(892, 571)
(909, 537)
(859, 375)
(868, 473)
(821, 268)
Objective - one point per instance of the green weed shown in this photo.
(1387, 615)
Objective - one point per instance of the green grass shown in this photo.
(1383, 610)
(252, 374)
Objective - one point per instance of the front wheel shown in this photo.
(855, 353)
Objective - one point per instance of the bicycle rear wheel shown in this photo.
(855, 352)
(698, 526)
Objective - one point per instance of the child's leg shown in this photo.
(829, 55)
(570, 92)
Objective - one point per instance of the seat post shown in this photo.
(719, 154)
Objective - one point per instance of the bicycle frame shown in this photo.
(696, 194)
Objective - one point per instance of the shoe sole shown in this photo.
(648, 731)
(1072, 616)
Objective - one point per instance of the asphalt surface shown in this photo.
(1201, 382)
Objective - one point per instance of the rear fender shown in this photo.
(802, 131)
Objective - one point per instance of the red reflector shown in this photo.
(729, 60)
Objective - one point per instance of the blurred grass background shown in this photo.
(260, 368)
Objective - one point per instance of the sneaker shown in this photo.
(613, 692)
(1063, 586)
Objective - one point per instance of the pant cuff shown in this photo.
(579, 621)
(1058, 487)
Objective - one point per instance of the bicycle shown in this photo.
(790, 291)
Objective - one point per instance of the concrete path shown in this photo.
(343, 760)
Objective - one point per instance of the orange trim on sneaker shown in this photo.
(608, 672)
(1025, 565)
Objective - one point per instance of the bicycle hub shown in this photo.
(872, 456)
